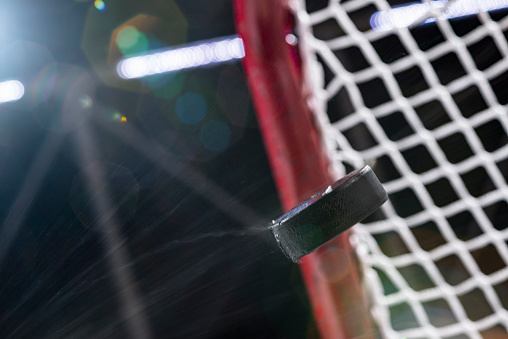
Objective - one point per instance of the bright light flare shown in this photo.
(100, 5)
(204, 53)
(11, 91)
(405, 16)
(291, 39)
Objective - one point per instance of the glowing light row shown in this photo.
(11, 90)
(198, 55)
(405, 16)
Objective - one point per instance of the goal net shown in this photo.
(420, 94)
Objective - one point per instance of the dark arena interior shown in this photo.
(139, 175)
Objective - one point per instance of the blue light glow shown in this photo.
(215, 135)
(405, 16)
(191, 108)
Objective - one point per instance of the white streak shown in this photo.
(204, 53)
(405, 16)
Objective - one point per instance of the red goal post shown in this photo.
(299, 165)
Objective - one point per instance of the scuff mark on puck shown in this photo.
(328, 213)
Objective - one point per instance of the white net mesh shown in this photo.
(426, 107)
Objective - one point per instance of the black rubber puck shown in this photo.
(328, 213)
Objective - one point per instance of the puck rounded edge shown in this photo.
(328, 213)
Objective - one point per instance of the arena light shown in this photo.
(11, 90)
(405, 16)
(196, 55)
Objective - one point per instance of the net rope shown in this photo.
(431, 119)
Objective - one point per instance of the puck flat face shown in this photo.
(328, 213)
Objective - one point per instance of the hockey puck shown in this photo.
(328, 213)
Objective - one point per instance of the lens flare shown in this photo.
(117, 116)
(131, 41)
(200, 54)
(100, 5)
(191, 108)
(215, 135)
(12, 90)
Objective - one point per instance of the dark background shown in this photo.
(191, 203)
